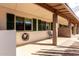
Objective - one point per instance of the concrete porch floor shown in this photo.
(65, 47)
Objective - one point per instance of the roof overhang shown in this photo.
(62, 9)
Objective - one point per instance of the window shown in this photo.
(47, 26)
(34, 24)
(39, 25)
(19, 23)
(51, 26)
(43, 25)
(10, 21)
(28, 24)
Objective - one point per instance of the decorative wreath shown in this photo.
(25, 36)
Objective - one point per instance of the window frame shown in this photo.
(7, 21)
(31, 24)
(23, 23)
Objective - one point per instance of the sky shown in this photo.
(75, 7)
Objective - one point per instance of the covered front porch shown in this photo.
(66, 12)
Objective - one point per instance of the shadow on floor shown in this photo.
(74, 46)
(31, 42)
(73, 50)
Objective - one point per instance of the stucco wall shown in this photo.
(33, 36)
(3, 21)
(4, 10)
(26, 10)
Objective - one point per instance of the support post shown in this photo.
(70, 28)
(75, 29)
(55, 28)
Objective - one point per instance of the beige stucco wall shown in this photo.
(62, 20)
(26, 10)
(3, 21)
(3, 12)
(33, 36)
(31, 9)
(34, 10)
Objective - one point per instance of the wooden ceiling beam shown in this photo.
(62, 13)
(61, 9)
(57, 5)
(44, 5)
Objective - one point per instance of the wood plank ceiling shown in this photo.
(60, 9)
